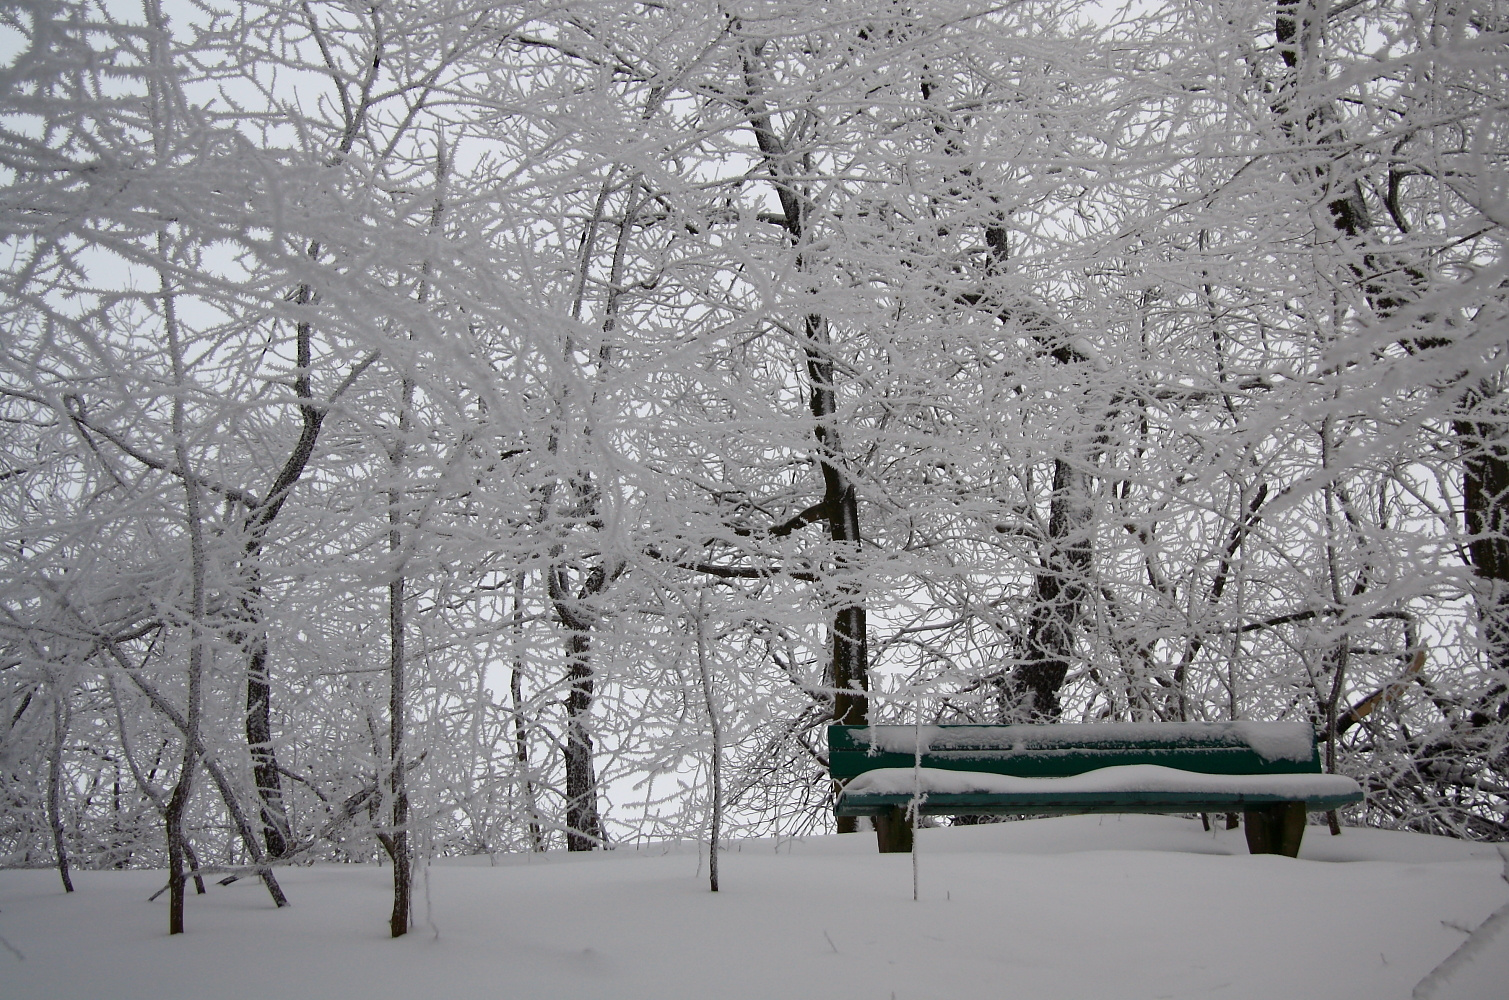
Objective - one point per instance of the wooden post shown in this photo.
(893, 829)
(1275, 829)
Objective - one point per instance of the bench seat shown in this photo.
(1119, 788)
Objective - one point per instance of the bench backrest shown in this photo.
(1060, 749)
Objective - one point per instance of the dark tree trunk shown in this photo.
(252, 634)
(1060, 585)
(520, 727)
(179, 802)
(1059, 592)
(848, 672)
(575, 611)
(276, 833)
(583, 826)
(55, 784)
(849, 668)
(1484, 449)
(398, 839)
(173, 820)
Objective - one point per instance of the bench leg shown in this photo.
(1276, 829)
(846, 824)
(893, 829)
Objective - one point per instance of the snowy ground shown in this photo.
(1084, 907)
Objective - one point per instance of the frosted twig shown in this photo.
(1497, 921)
(915, 806)
(429, 906)
(13, 949)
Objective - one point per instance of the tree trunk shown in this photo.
(398, 841)
(1483, 447)
(715, 726)
(275, 827)
(183, 790)
(848, 672)
(252, 635)
(276, 833)
(60, 715)
(398, 838)
(520, 728)
(1059, 592)
(849, 668)
(583, 825)
(173, 820)
(1060, 587)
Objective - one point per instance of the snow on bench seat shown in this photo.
(1272, 741)
(1128, 788)
(906, 781)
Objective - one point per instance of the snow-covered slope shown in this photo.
(1083, 907)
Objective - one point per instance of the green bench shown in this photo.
(1268, 771)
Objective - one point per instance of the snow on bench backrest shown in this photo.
(1272, 741)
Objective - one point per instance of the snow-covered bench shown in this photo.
(1268, 771)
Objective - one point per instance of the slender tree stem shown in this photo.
(715, 725)
(178, 803)
(60, 718)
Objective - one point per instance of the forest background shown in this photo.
(463, 427)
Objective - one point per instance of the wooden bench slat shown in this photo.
(1063, 749)
(1271, 748)
(1062, 762)
(1138, 788)
(1272, 740)
(1123, 802)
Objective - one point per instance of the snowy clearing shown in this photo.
(1072, 907)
